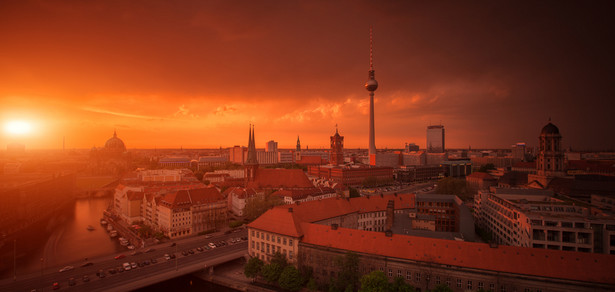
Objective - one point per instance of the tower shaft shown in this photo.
(372, 134)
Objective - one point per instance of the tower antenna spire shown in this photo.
(371, 45)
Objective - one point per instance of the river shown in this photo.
(69, 241)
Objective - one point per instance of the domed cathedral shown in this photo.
(550, 160)
(111, 159)
(551, 155)
(115, 145)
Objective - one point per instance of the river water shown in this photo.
(68, 240)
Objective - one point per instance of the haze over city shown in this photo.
(195, 75)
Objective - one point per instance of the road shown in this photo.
(139, 277)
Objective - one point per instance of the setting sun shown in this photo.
(17, 127)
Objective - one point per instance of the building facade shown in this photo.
(435, 139)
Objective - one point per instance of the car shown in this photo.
(71, 282)
(131, 247)
(55, 286)
(126, 266)
(111, 271)
(184, 253)
(133, 265)
(199, 248)
(172, 256)
(167, 256)
(211, 245)
(136, 253)
(67, 268)
(146, 262)
(85, 278)
(87, 264)
(191, 251)
(120, 256)
(150, 250)
(208, 236)
(101, 274)
(120, 269)
(173, 244)
(154, 261)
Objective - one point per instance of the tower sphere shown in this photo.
(371, 85)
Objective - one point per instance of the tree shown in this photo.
(290, 279)
(280, 259)
(253, 267)
(486, 167)
(442, 288)
(258, 205)
(454, 186)
(348, 275)
(311, 285)
(271, 272)
(375, 281)
(400, 285)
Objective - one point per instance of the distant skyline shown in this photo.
(194, 74)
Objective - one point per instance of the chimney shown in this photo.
(290, 210)
(334, 226)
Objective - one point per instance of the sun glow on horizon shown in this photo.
(17, 127)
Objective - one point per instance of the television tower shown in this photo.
(371, 85)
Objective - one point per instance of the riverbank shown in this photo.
(231, 275)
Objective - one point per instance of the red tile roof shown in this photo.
(132, 195)
(240, 192)
(318, 210)
(280, 221)
(280, 178)
(481, 175)
(510, 259)
(302, 194)
(187, 198)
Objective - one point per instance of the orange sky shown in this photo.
(194, 74)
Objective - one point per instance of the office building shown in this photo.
(435, 139)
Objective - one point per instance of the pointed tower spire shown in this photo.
(251, 148)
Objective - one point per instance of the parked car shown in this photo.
(55, 286)
(150, 250)
(120, 256)
(85, 278)
(126, 266)
(133, 265)
(71, 282)
(87, 264)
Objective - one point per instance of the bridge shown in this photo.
(136, 278)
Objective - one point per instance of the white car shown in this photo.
(126, 266)
(212, 245)
(67, 268)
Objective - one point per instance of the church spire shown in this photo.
(251, 148)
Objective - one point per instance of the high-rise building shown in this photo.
(337, 149)
(435, 139)
(371, 85)
(518, 151)
(271, 146)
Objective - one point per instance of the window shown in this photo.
(448, 282)
(284, 240)
(502, 288)
(252, 243)
(408, 275)
(469, 285)
(491, 287)
(481, 285)
(267, 236)
(437, 280)
(458, 283)
(290, 254)
(417, 277)
(390, 273)
(398, 273)
(290, 241)
(278, 239)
